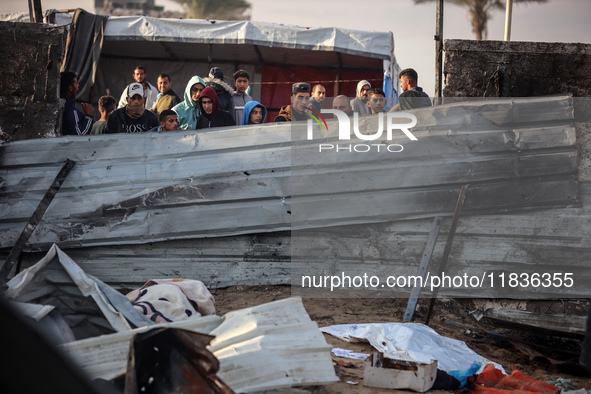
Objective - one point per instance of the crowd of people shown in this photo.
(211, 102)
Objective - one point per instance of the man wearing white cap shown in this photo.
(133, 118)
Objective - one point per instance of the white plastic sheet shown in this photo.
(43, 279)
(413, 342)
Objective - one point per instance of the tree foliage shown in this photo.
(480, 12)
(215, 9)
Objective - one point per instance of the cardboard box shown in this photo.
(387, 373)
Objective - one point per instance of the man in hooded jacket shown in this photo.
(188, 111)
(359, 103)
(211, 114)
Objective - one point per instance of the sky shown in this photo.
(413, 25)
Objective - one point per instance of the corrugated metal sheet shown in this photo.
(268, 346)
(218, 262)
(134, 189)
(142, 188)
(514, 154)
(549, 241)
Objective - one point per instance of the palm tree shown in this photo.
(480, 11)
(215, 9)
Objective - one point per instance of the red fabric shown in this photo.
(493, 381)
(277, 81)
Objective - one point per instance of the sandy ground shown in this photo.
(545, 361)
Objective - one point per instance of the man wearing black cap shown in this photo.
(222, 89)
(300, 95)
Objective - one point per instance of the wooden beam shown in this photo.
(439, 52)
(35, 11)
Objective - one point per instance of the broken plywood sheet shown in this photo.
(136, 189)
(268, 346)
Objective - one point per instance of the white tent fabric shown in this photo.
(191, 39)
(275, 44)
(354, 42)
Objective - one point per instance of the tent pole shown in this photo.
(210, 57)
(508, 17)
(339, 75)
(439, 51)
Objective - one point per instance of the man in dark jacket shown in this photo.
(211, 114)
(317, 97)
(412, 95)
(167, 97)
(133, 118)
(74, 121)
(300, 94)
(222, 89)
